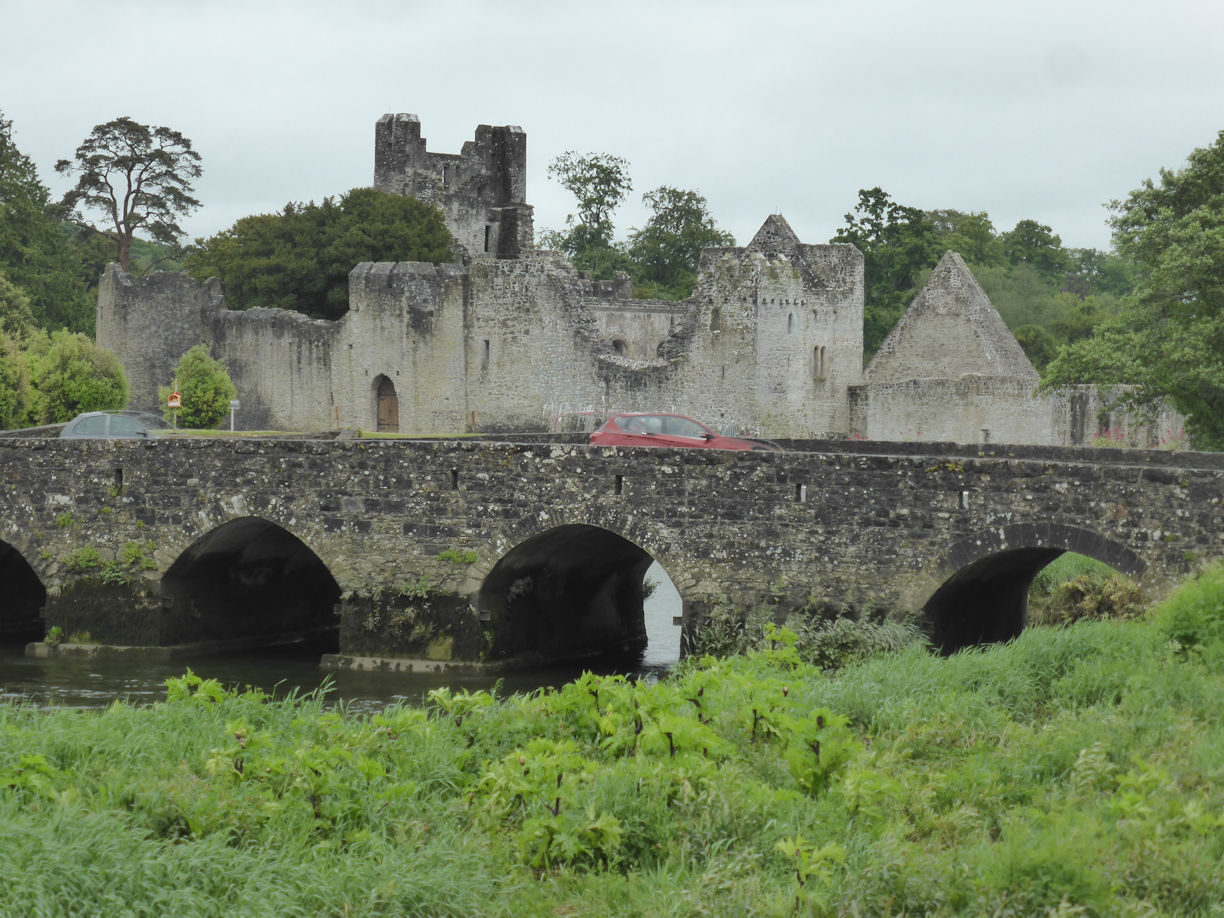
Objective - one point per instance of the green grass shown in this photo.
(1075, 770)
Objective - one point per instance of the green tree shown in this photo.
(1093, 272)
(35, 254)
(665, 251)
(71, 374)
(205, 387)
(1039, 345)
(16, 398)
(897, 243)
(16, 317)
(139, 177)
(599, 182)
(972, 235)
(301, 258)
(1033, 243)
(1168, 338)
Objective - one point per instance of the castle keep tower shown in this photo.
(482, 190)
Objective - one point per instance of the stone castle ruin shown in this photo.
(511, 338)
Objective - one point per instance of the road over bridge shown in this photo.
(512, 553)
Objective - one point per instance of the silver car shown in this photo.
(115, 424)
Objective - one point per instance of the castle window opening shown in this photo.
(790, 324)
(820, 363)
(484, 355)
(488, 236)
(618, 346)
(715, 319)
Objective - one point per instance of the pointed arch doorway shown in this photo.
(386, 406)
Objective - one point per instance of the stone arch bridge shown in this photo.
(509, 553)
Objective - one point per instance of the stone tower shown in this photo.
(481, 190)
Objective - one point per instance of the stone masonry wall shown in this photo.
(149, 324)
(849, 531)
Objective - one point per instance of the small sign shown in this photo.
(174, 400)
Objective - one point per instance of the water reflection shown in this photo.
(94, 682)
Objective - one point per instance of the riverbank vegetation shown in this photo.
(1075, 770)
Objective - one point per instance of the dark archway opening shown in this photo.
(985, 602)
(574, 592)
(22, 597)
(250, 583)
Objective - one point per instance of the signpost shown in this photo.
(174, 402)
(234, 406)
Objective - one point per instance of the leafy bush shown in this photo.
(1193, 617)
(70, 374)
(205, 387)
(1074, 587)
(830, 644)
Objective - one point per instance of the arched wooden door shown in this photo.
(387, 411)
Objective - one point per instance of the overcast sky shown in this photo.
(1042, 110)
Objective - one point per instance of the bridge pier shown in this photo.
(124, 613)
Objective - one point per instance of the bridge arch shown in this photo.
(569, 591)
(24, 596)
(249, 579)
(985, 578)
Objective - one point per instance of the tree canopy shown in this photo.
(600, 182)
(897, 243)
(300, 258)
(139, 177)
(1168, 338)
(661, 256)
(665, 251)
(35, 254)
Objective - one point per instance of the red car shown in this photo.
(669, 430)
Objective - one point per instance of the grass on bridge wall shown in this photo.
(1077, 770)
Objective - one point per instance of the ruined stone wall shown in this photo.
(776, 341)
(407, 322)
(1095, 416)
(639, 326)
(150, 323)
(531, 343)
(970, 409)
(482, 190)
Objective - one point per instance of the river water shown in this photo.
(65, 680)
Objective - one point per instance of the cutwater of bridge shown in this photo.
(457, 552)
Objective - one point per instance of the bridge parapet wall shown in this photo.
(841, 530)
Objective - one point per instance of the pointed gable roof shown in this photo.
(950, 330)
(775, 237)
